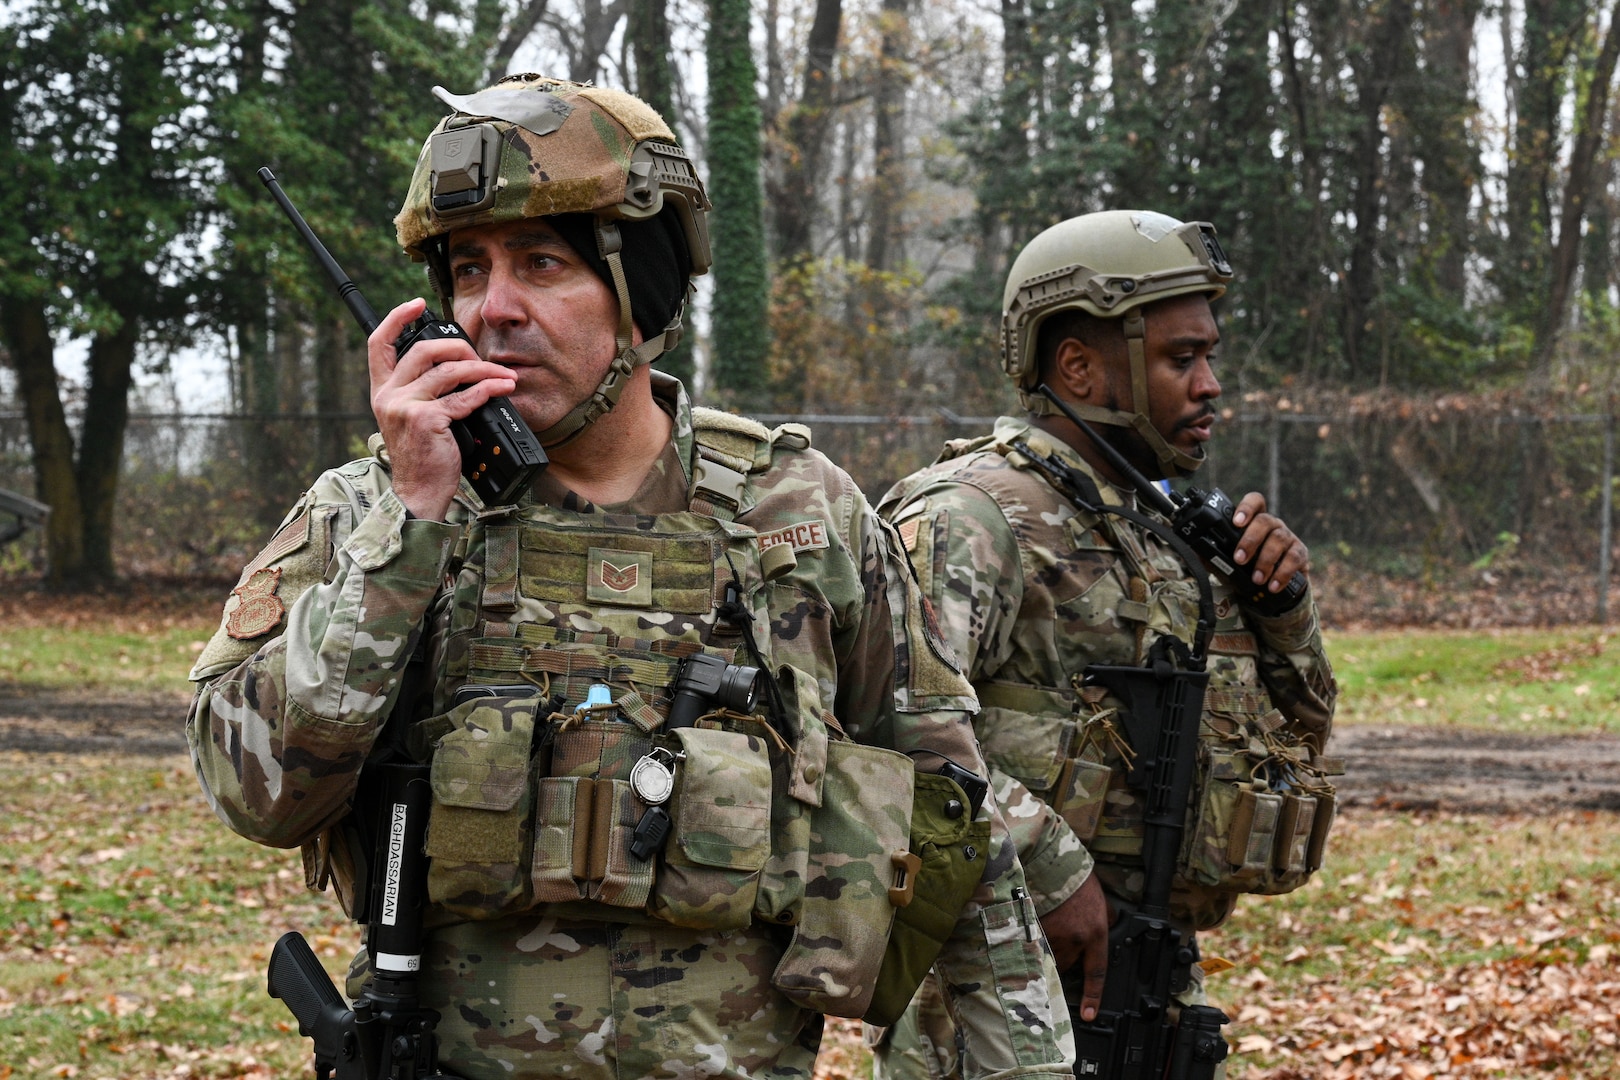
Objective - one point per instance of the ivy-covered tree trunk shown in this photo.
(883, 238)
(650, 47)
(1385, 59)
(741, 338)
(1540, 85)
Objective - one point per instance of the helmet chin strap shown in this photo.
(627, 356)
(1172, 462)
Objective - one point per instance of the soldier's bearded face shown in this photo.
(1180, 352)
(528, 301)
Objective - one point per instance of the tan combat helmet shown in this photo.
(531, 146)
(1110, 264)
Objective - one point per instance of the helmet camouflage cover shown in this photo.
(531, 146)
(1110, 264)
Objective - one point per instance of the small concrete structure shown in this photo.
(23, 513)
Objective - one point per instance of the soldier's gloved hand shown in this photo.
(415, 399)
(1268, 548)
(1077, 930)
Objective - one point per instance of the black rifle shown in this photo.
(1203, 519)
(500, 457)
(1135, 1036)
(387, 1035)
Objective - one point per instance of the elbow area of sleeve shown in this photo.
(413, 550)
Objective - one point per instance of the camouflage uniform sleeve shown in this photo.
(992, 967)
(1294, 666)
(970, 568)
(305, 665)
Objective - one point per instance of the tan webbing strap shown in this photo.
(501, 568)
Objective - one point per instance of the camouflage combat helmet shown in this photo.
(1110, 264)
(531, 146)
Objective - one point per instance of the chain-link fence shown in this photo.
(1393, 493)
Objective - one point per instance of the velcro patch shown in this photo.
(259, 609)
(619, 577)
(288, 539)
(804, 536)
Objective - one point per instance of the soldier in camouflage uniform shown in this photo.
(1112, 310)
(561, 225)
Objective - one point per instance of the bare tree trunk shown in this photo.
(1577, 187)
(1386, 48)
(28, 340)
(805, 137)
(518, 29)
(596, 24)
(1450, 163)
(883, 230)
(101, 447)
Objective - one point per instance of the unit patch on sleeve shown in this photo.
(619, 577)
(803, 536)
(258, 609)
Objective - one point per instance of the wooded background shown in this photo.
(1420, 198)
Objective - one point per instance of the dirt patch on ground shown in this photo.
(66, 721)
(1449, 768)
(1399, 768)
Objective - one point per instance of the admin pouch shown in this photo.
(947, 849)
(479, 829)
(843, 837)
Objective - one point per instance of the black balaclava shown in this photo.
(656, 264)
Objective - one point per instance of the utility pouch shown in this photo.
(950, 850)
(721, 833)
(478, 830)
(858, 835)
(1294, 827)
(1327, 807)
(1254, 832)
(586, 814)
(1079, 795)
(796, 794)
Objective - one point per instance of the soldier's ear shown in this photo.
(1078, 371)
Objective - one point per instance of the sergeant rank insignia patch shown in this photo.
(259, 609)
(618, 577)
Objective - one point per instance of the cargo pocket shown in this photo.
(478, 831)
(858, 836)
(721, 834)
(951, 853)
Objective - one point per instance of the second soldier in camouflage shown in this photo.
(1112, 311)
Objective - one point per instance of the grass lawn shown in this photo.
(1558, 681)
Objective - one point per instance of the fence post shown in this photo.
(1606, 524)
(1273, 484)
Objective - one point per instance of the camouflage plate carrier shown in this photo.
(792, 824)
